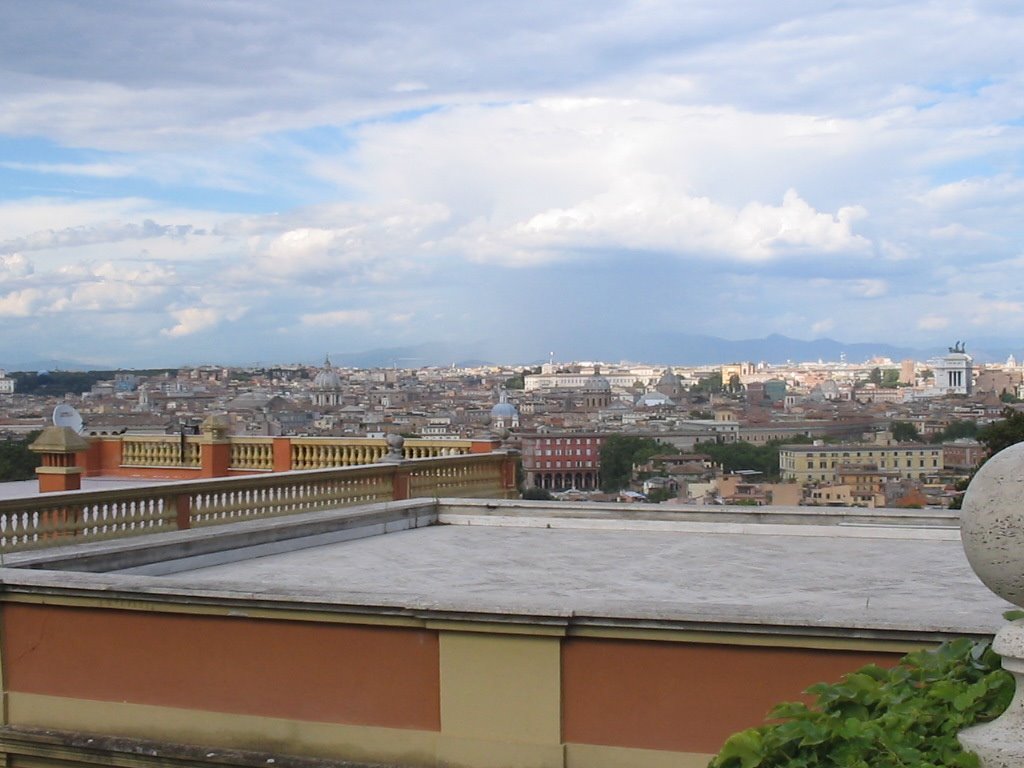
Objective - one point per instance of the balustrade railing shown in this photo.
(159, 451)
(312, 453)
(80, 516)
(464, 480)
(256, 454)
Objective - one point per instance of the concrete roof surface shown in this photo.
(918, 582)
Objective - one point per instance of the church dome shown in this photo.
(327, 377)
(668, 379)
(503, 409)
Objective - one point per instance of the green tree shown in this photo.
(905, 432)
(537, 494)
(955, 430)
(743, 455)
(17, 462)
(658, 495)
(618, 455)
(890, 378)
(515, 382)
(1004, 433)
(995, 437)
(708, 385)
(875, 376)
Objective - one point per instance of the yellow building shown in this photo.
(820, 463)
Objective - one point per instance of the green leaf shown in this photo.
(904, 717)
(745, 746)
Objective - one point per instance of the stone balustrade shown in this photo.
(56, 518)
(159, 451)
(179, 456)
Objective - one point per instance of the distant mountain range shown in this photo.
(658, 348)
(674, 349)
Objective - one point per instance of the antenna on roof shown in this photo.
(65, 415)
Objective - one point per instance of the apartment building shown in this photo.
(822, 463)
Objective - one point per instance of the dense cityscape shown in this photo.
(880, 433)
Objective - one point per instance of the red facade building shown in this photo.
(562, 461)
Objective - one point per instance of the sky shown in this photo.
(240, 181)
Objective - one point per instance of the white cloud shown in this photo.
(870, 288)
(957, 231)
(643, 214)
(23, 303)
(366, 244)
(631, 138)
(823, 326)
(192, 320)
(341, 317)
(933, 323)
(13, 266)
(96, 170)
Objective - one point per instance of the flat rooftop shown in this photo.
(849, 572)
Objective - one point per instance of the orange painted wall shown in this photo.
(335, 673)
(684, 697)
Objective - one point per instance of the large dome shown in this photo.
(327, 378)
(503, 409)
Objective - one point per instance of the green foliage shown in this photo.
(905, 432)
(1008, 397)
(1004, 433)
(955, 430)
(618, 455)
(961, 485)
(537, 494)
(708, 384)
(58, 383)
(658, 495)
(875, 377)
(743, 455)
(890, 378)
(515, 382)
(17, 462)
(877, 718)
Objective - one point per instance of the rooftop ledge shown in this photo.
(834, 572)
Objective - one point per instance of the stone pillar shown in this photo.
(992, 530)
(282, 454)
(57, 447)
(396, 456)
(215, 447)
(508, 474)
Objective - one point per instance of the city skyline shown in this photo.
(251, 182)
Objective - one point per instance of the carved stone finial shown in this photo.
(216, 427)
(396, 446)
(992, 531)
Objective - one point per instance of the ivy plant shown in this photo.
(907, 716)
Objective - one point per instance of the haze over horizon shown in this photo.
(255, 181)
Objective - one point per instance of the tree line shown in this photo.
(17, 462)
